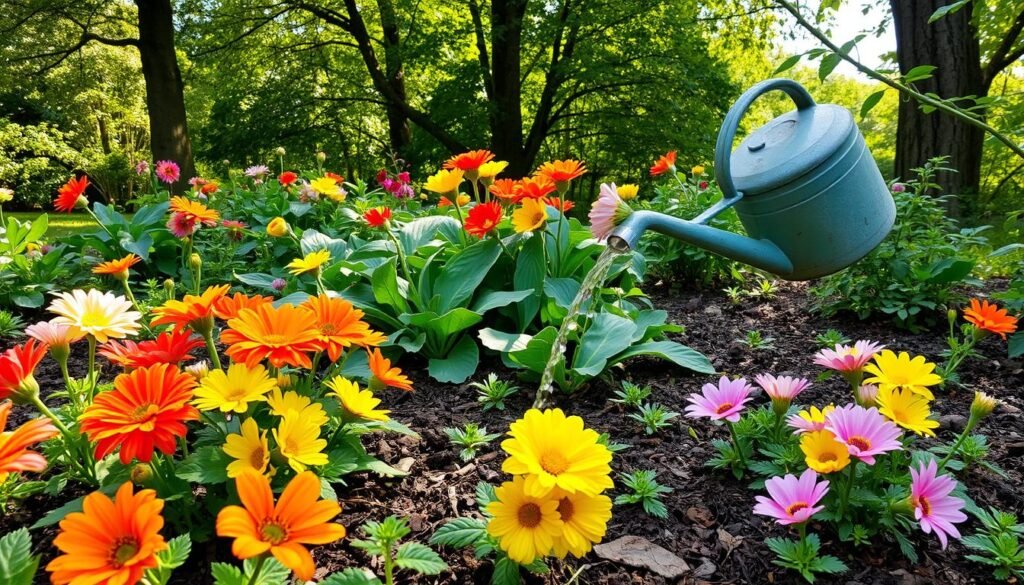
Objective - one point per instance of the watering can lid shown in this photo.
(789, 147)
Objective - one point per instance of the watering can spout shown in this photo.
(761, 254)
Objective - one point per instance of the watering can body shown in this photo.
(805, 187)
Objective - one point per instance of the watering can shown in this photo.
(804, 186)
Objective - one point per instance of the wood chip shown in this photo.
(642, 553)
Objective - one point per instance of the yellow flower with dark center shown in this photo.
(525, 526)
(445, 182)
(900, 371)
(530, 216)
(823, 453)
(283, 403)
(298, 440)
(907, 409)
(358, 403)
(249, 449)
(309, 263)
(585, 520)
(234, 390)
(628, 191)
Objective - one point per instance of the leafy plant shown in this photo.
(11, 325)
(645, 490)
(17, 563)
(254, 571)
(830, 339)
(755, 340)
(803, 556)
(631, 394)
(998, 543)
(735, 294)
(973, 450)
(653, 417)
(470, 438)
(383, 541)
(765, 290)
(493, 392)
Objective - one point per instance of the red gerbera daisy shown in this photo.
(377, 216)
(664, 164)
(168, 348)
(72, 194)
(484, 218)
(287, 178)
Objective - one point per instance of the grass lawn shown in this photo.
(60, 225)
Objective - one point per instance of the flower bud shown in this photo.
(226, 162)
(278, 284)
(278, 227)
(867, 395)
(141, 474)
(321, 156)
(286, 381)
(26, 392)
(195, 261)
(951, 317)
(697, 170)
(169, 288)
(898, 187)
(279, 150)
(198, 370)
(982, 405)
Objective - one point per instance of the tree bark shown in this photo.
(399, 132)
(506, 107)
(165, 99)
(950, 44)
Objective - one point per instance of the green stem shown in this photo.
(45, 411)
(320, 288)
(389, 578)
(848, 488)
(675, 174)
(959, 441)
(92, 368)
(558, 243)
(476, 192)
(211, 348)
(98, 222)
(84, 463)
(405, 268)
(256, 571)
(67, 377)
(736, 442)
(501, 243)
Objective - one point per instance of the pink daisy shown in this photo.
(52, 334)
(782, 390)
(607, 212)
(864, 431)
(167, 171)
(934, 508)
(867, 395)
(810, 420)
(181, 225)
(724, 401)
(793, 500)
(847, 358)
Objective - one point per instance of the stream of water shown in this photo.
(591, 284)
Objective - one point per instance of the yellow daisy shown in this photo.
(554, 450)
(823, 453)
(249, 449)
(628, 191)
(489, 170)
(908, 410)
(530, 216)
(309, 263)
(444, 182)
(298, 440)
(328, 187)
(525, 526)
(282, 403)
(358, 403)
(585, 518)
(234, 390)
(899, 371)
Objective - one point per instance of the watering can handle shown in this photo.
(726, 136)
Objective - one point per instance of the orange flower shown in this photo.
(283, 335)
(109, 541)
(384, 374)
(484, 218)
(17, 366)
(191, 311)
(536, 187)
(377, 216)
(194, 211)
(469, 162)
(339, 326)
(505, 189)
(298, 518)
(559, 204)
(147, 408)
(72, 194)
(117, 268)
(229, 307)
(168, 348)
(562, 171)
(991, 318)
(664, 164)
(14, 453)
(462, 200)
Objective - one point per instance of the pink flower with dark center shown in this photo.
(793, 500)
(934, 508)
(608, 211)
(847, 358)
(724, 401)
(167, 171)
(181, 225)
(864, 431)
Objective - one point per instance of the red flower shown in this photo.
(483, 218)
(536, 187)
(703, 185)
(382, 175)
(69, 195)
(167, 348)
(234, 228)
(337, 178)
(558, 204)
(469, 161)
(506, 190)
(287, 178)
(377, 216)
(18, 364)
(664, 164)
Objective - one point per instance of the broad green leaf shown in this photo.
(206, 465)
(313, 240)
(417, 557)
(493, 299)
(537, 351)
(950, 270)
(420, 231)
(1016, 344)
(503, 342)
(677, 353)
(946, 10)
(529, 275)
(460, 364)
(351, 576)
(464, 272)
(257, 279)
(443, 326)
(562, 290)
(150, 215)
(870, 102)
(788, 64)
(460, 533)
(29, 300)
(506, 572)
(607, 335)
(918, 73)
(17, 564)
(386, 289)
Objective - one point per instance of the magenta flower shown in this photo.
(167, 171)
(607, 212)
(847, 358)
(723, 401)
(898, 187)
(864, 431)
(141, 167)
(934, 508)
(782, 390)
(793, 500)
(181, 225)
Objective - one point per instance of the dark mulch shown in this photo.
(710, 523)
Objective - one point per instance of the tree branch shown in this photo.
(481, 47)
(1004, 55)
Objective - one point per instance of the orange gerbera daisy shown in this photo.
(170, 347)
(559, 204)
(384, 374)
(283, 335)
(147, 408)
(664, 164)
(117, 268)
(14, 454)
(194, 211)
(560, 172)
(17, 369)
(339, 325)
(536, 187)
(109, 541)
(191, 311)
(298, 518)
(229, 307)
(72, 194)
(469, 162)
(484, 218)
(505, 189)
(989, 317)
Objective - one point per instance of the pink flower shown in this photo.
(167, 171)
(235, 228)
(403, 176)
(278, 284)
(723, 401)
(846, 358)
(181, 225)
(934, 508)
(783, 389)
(810, 420)
(864, 431)
(898, 187)
(867, 395)
(793, 500)
(608, 211)
(52, 334)
(141, 167)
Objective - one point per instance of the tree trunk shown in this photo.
(950, 44)
(398, 123)
(165, 100)
(506, 115)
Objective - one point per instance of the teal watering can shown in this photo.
(805, 186)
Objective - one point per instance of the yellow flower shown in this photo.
(983, 405)
(444, 182)
(310, 263)
(530, 216)
(249, 449)
(697, 170)
(283, 403)
(628, 191)
(554, 450)
(823, 453)
(298, 440)
(358, 403)
(489, 170)
(328, 187)
(585, 520)
(234, 390)
(525, 526)
(277, 227)
(892, 371)
(907, 409)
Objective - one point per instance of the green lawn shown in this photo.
(61, 225)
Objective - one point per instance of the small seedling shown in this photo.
(755, 340)
(11, 325)
(493, 392)
(735, 294)
(646, 491)
(654, 417)
(381, 541)
(765, 289)
(631, 395)
(999, 544)
(470, 438)
(830, 339)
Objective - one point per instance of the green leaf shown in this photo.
(1015, 347)
(918, 73)
(460, 364)
(501, 341)
(206, 465)
(828, 64)
(677, 353)
(460, 533)
(31, 300)
(313, 240)
(17, 564)
(444, 326)
(177, 552)
(497, 298)
(506, 572)
(272, 573)
(607, 335)
(788, 64)
(828, 564)
(947, 9)
(385, 285)
(352, 577)
(562, 290)
(529, 276)
(226, 574)
(464, 272)
(537, 351)
(950, 270)
(257, 279)
(417, 557)
(419, 232)
(870, 102)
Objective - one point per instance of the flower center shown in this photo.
(925, 505)
(554, 462)
(291, 446)
(566, 509)
(796, 507)
(859, 442)
(273, 532)
(256, 458)
(529, 515)
(827, 457)
(723, 407)
(94, 319)
(328, 329)
(273, 339)
(144, 412)
(123, 550)
(235, 394)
